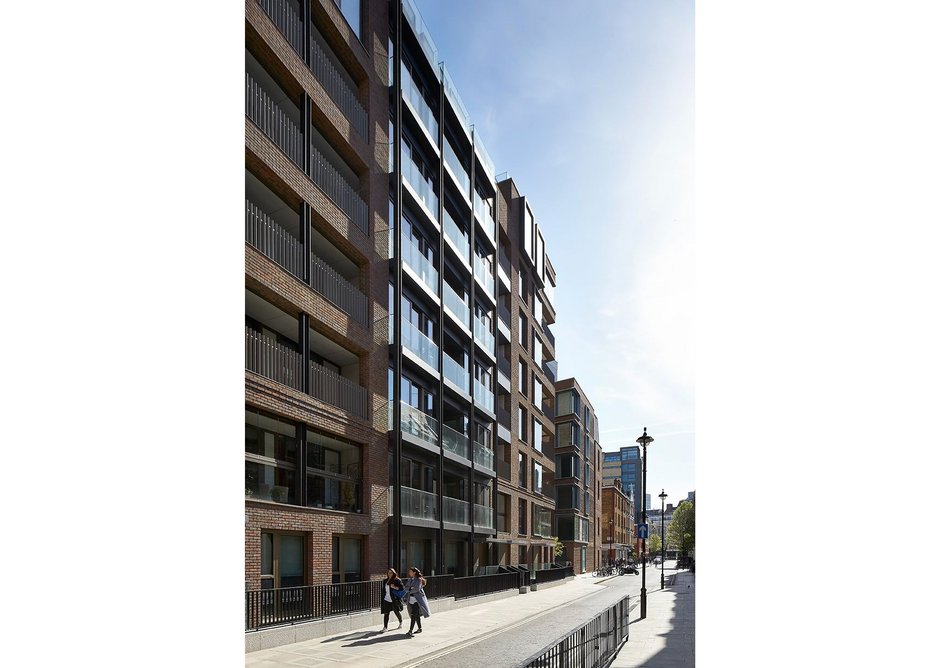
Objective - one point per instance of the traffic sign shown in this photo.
(642, 531)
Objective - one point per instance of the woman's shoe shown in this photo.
(384, 630)
(409, 634)
(418, 631)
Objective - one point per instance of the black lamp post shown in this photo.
(643, 440)
(663, 552)
(610, 537)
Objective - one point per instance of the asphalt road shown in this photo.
(514, 645)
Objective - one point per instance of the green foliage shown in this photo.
(653, 543)
(558, 547)
(681, 533)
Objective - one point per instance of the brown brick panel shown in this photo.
(263, 156)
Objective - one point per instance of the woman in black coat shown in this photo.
(390, 602)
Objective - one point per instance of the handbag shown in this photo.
(399, 593)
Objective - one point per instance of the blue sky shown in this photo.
(589, 107)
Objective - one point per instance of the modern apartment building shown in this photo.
(625, 465)
(577, 482)
(316, 466)
(617, 523)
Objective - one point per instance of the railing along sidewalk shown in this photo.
(270, 607)
(594, 644)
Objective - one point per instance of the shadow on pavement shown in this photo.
(381, 638)
(679, 641)
(353, 634)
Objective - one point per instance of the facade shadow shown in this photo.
(680, 641)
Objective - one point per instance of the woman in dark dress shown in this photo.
(389, 602)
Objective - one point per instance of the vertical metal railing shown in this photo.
(273, 121)
(338, 189)
(337, 289)
(273, 360)
(334, 389)
(594, 644)
(264, 234)
(270, 607)
(337, 87)
(287, 21)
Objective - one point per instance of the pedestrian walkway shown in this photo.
(443, 632)
(666, 638)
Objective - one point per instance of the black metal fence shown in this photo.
(477, 585)
(553, 574)
(592, 645)
(438, 586)
(269, 607)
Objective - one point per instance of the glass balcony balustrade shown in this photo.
(455, 304)
(419, 424)
(454, 372)
(420, 184)
(484, 397)
(455, 166)
(484, 517)
(483, 274)
(418, 343)
(456, 235)
(419, 264)
(484, 456)
(483, 213)
(412, 95)
(418, 504)
(484, 336)
(455, 511)
(455, 442)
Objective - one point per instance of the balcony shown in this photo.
(455, 442)
(483, 456)
(417, 423)
(422, 187)
(337, 289)
(548, 335)
(455, 511)
(333, 184)
(417, 504)
(273, 121)
(332, 388)
(456, 236)
(421, 110)
(419, 344)
(484, 336)
(483, 213)
(484, 517)
(420, 265)
(456, 304)
(455, 372)
(550, 370)
(484, 397)
(273, 360)
(483, 274)
(337, 88)
(264, 234)
(452, 161)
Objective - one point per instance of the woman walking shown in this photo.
(417, 604)
(391, 602)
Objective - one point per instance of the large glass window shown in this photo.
(333, 473)
(567, 433)
(537, 438)
(567, 496)
(538, 393)
(270, 458)
(346, 559)
(504, 512)
(522, 423)
(522, 517)
(567, 466)
(538, 477)
(282, 560)
(351, 10)
(522, 473)
(529, 232)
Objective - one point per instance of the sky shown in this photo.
(590, 108)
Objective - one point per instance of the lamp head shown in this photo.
(662, 495)
(644, 439)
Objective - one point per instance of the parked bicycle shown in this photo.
(604, 571)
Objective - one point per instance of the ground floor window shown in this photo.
(346, 559)
(282, 560)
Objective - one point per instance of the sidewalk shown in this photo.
(443, 632)
(666, 638)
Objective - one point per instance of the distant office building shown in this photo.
(625, 465)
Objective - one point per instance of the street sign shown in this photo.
(642, 531)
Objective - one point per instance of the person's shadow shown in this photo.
(379, 638)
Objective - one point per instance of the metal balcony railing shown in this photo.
(422, 186)
(287, 21)
(328, 386)
(454, 510)
(270, 118)
(333, 184)
(337, 87)
(273, 360)
(337, 289)
(455, 442)
(483, 213)
(264, 234)
(418, 504)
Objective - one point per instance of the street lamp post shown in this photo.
(643, 440)
(610, 537)
(663, 552)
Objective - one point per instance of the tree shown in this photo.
(558, 548)
(681, 534)
(653, 543)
